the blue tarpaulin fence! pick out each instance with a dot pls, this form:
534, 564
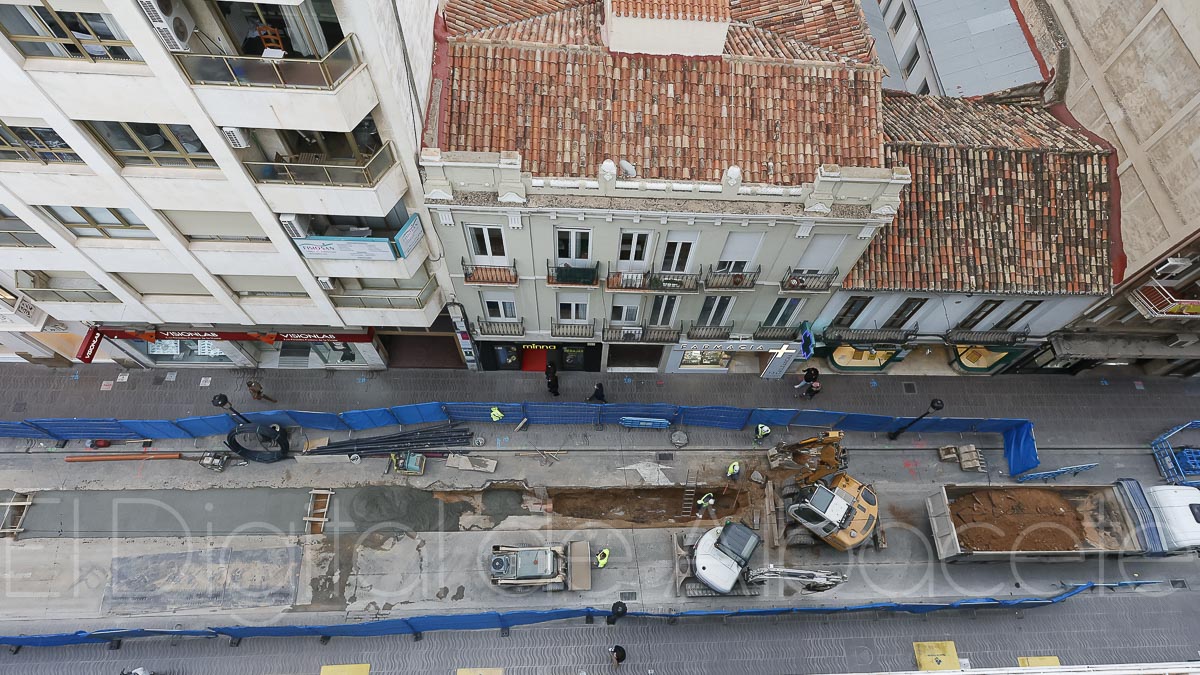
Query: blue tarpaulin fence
493, 620
1019, 447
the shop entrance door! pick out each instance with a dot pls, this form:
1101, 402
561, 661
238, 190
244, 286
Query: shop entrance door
533, 360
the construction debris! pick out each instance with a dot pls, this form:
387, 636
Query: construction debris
756, 477
471, 463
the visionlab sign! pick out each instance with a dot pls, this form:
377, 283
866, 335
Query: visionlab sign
346, 248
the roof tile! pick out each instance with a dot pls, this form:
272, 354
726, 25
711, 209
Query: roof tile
681, 10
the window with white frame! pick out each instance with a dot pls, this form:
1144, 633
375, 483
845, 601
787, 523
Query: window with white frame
663, 309
499, 306
677, 250
487, 244
625, 310
634, 252
715, 310
574, 246
573, 307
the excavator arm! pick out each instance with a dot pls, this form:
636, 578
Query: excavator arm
816, 458
816, 581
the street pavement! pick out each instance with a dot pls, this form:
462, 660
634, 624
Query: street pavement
1091, 629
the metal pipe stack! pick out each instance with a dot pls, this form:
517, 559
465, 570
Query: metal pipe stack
448, 435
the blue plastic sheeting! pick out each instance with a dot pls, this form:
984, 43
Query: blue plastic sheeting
155, 429
281, 417
562, 413
482, 412
84, 428
419, 413
817, 418
21, 430
369, 418
318, 420
208, 425
721, 417
613, 412
486, 620
863, 422
778, 416
1020, 451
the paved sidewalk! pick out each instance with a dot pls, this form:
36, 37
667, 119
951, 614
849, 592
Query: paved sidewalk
1087, 411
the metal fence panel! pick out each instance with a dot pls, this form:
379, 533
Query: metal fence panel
419, 413
80, 428
318, 420
863, 422
817, 418
155, 428
369, 418
21, 430
721, 417
208, 425
482, 412
613, 412
772, 416
562, 413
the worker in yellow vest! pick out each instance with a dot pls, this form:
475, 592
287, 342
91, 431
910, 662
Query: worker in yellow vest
602, 558
708, 501
496, 414
734, 470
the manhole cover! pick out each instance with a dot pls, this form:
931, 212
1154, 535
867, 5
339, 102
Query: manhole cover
910, 387
19, 406
679, 439
628, 595
662, 456
1179, 583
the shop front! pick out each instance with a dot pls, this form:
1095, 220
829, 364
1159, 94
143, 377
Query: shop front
769, 359
865, 350
984, 352
284, 349
535, 356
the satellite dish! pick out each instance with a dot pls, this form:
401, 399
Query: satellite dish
628, 170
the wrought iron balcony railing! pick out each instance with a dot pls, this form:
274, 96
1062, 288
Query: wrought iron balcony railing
641, 333
494, 275
731, 281
568, 275
709, 331
799, 281
560, 329
653, 282
500, 328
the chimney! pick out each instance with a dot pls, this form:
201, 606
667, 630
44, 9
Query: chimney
666, 27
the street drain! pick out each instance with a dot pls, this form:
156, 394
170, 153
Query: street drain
1179, 583
910, 387
665, 456
627, 596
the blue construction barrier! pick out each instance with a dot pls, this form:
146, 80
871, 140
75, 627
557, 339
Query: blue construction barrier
504, 620
1167, 459
1019, 447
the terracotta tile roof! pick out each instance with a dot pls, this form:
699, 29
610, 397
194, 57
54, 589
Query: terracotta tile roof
1004, 199
688, 10
538, 81
839, 25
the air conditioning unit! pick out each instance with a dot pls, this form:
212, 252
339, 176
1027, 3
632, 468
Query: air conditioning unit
328, 283
295, 224
1172, 266
172, 21
1183, 340
236, 137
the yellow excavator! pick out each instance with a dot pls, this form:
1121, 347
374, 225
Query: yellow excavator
822, 501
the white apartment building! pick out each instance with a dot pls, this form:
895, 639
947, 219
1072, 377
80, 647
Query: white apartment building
212, 182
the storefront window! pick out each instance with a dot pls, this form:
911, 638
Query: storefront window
508, 357
572, 358
705, 359
167, 352
850, 357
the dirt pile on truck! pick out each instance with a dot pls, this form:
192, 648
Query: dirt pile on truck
1017, 519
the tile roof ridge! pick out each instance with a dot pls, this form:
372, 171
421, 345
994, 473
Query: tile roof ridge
1006, 148
528, 19
541, 46
833, 53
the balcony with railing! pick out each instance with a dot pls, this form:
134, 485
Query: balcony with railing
782, 333
1156, 301
653, 282
314, 170
871, 336
570, 275
326, 72
731, 281
386, 299
490, 275
985, 337
800, 281
641, 333
499, 328
583, 331
709, 331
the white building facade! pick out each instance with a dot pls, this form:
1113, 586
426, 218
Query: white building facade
202, 182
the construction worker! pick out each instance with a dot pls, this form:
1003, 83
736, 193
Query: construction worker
705, 502
761, 432
734, 470
602, 558
496, 414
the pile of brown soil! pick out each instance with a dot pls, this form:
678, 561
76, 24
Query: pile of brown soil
1016, 519
645, 506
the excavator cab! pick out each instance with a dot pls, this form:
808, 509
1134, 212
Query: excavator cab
821, 500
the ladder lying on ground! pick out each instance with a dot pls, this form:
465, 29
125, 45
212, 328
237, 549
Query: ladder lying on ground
318, 511
14, 514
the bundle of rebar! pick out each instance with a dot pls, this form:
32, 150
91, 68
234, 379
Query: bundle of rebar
448, 435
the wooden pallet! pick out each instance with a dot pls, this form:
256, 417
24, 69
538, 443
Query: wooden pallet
318, 511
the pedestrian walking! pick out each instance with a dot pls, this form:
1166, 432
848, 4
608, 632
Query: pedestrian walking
810, 375
617, 652
812, 391
552, 382
256, 391
597, 394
